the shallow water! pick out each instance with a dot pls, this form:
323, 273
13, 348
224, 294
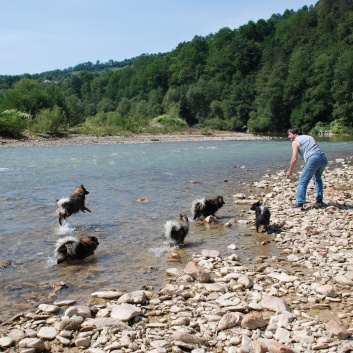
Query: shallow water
131, 251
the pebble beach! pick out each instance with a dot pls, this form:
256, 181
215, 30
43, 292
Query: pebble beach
78, 139
299, 301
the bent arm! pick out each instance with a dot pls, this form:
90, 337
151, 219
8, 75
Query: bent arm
294, 159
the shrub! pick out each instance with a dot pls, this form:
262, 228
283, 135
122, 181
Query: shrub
339, 126
319, 126
13, 123
49, 120
168, 121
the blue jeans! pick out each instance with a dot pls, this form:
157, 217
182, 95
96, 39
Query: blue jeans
314, 167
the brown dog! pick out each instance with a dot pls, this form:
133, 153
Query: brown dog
207, 207
71, 248
74, 204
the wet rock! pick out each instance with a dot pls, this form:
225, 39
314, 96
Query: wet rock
210, 253
53, 309
210, 219
107, 294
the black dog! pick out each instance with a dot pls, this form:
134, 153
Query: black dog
207, 207
71, 248
76, 202
262, 216
176, 231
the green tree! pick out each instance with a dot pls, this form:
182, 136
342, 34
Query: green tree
271, 112
124, 107
342, 88
106, 105
317, 104
187, 61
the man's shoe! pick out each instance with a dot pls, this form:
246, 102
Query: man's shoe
318, 204
298, 205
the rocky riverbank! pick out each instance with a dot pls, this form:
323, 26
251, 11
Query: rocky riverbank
300, 301
76, 139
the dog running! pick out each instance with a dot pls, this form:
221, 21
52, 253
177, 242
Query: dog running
73, 204
71, 248
206, 207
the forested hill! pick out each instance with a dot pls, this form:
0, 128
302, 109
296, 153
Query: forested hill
293, 69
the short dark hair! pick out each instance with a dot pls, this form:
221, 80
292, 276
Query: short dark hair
295, 131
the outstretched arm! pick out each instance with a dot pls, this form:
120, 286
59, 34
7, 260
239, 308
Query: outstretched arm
293, 161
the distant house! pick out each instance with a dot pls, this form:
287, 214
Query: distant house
48, 82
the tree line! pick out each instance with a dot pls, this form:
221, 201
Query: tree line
294, 69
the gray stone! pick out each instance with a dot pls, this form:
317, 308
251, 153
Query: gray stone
125, 312
274, 304
78, 310
35, 343
47, 333
6, 342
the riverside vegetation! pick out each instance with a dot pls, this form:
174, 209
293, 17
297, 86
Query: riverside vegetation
293, 69
299, 301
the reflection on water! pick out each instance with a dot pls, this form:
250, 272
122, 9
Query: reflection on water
132, 252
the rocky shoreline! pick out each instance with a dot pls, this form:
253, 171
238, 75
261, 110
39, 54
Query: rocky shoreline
300, 301
77, 139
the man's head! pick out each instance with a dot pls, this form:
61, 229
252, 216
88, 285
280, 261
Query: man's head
293, 132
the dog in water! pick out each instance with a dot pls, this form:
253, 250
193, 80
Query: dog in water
74, 204
206, 207
176, 231
262, 216
70, 248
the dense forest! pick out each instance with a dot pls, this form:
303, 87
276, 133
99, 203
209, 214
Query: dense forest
294, 69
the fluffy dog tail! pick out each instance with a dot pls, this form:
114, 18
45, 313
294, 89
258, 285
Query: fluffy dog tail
65, 248
168, 227
197, 207
62, 209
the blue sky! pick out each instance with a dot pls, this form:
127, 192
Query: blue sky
44, 35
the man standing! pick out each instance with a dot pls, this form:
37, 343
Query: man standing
315, 163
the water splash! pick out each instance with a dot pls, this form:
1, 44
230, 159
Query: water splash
51, 262
64, 229
166, 247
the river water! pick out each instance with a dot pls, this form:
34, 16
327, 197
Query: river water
132, 252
